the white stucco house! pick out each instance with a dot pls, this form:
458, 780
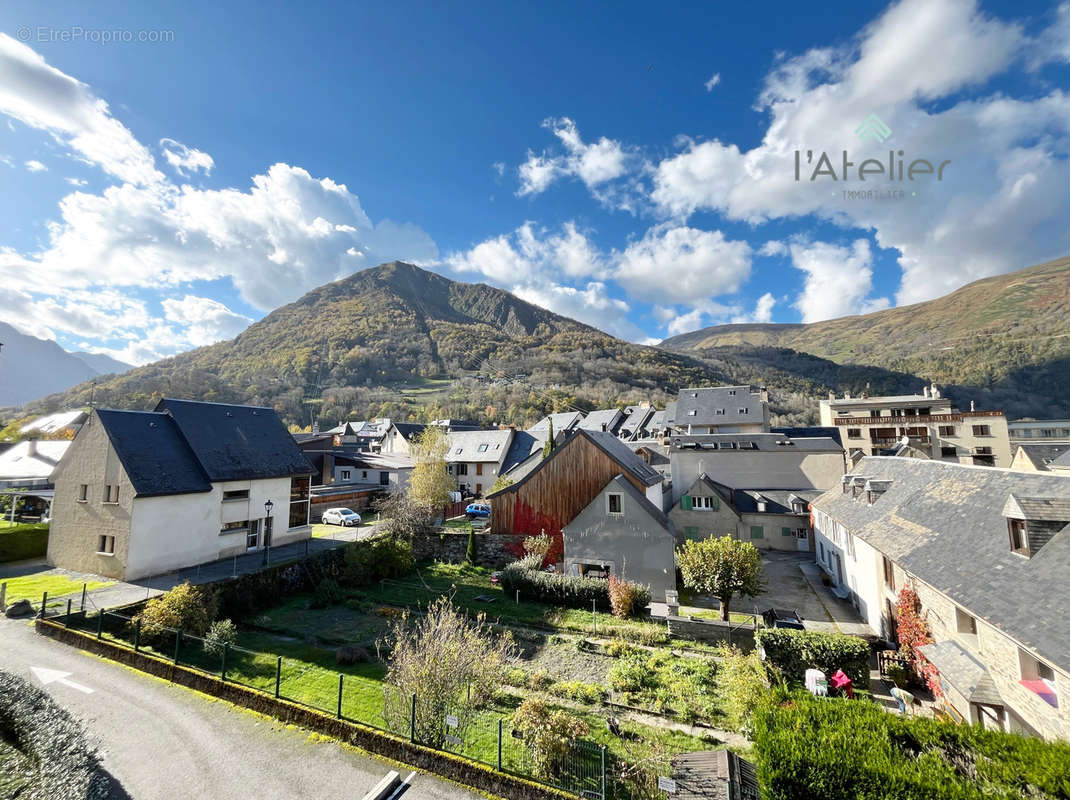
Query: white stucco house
144, 492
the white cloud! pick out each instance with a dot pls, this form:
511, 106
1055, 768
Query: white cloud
590, 304
76, 181
42, 97
595, 164
763, 310
528, 255
33, 165
838, 280
185, 160
685, 323
499, 168
715, 79
205, 320
1002, 201
683, 265
773, 248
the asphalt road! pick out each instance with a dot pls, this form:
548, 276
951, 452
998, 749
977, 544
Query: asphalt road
164, 742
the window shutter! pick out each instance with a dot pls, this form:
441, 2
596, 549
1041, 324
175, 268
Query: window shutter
785, 531
685, 502
757, 532
716, 503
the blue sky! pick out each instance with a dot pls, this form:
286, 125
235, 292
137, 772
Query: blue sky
633, 167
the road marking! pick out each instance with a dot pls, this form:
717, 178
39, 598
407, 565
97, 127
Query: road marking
47, 676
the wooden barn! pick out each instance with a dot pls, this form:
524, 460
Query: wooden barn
558, 489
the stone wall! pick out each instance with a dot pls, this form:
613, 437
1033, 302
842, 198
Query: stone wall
492, 549
711, 630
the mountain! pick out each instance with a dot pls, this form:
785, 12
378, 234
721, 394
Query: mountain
31, 368
401, 341
101, 364
1003, 342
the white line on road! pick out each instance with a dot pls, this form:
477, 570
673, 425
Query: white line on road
47, 676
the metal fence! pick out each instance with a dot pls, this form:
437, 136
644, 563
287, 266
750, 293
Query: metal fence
479, 734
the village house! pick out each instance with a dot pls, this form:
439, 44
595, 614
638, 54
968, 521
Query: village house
475, 458
61, 424
606, 420
770, 519
988, 552
25, 477
400, 436
1039, 431
719, 409
620, 532
563, 423
921, 425
144, 492
1037, 457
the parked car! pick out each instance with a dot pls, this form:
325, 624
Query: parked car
782, 618
341, 516
476, 510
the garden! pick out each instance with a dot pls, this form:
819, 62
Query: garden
22, 540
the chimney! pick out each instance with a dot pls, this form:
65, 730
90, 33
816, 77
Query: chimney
315, 428
875, 488
31, 447
925, 391
846, 481
832, 396
971, 406
934, 393
763, 394
858, 483
846, 395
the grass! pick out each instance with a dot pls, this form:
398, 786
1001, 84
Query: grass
57, 584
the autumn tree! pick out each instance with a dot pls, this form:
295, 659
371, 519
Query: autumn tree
723, 567
430, 483
548, 733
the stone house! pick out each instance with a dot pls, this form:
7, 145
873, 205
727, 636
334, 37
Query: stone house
987, 551
139, 493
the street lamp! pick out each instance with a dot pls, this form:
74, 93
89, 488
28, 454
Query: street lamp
268, 505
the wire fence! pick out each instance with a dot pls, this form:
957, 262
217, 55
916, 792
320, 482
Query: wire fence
481, 734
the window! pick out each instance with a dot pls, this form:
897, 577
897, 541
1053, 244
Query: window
234, 527
965, 623
982, 430
106, 545
732, 392
462, 469
479, 468
785, 531
345, 474
482, 448
384, 478
744, 411
757, 532
854, 433
479, 489
947, 430
1038, 677
889, 573
364, 474
111, 493
236, 494
1019, 540
692, 412
83, 493
982, 451
850, 545
821, 550
705, 503
615, 503
299, 491
949, 452
720, 412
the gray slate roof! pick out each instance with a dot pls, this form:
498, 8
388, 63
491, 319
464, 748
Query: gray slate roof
619, 452
564, 421
524, 445
157, 458
234, 442
962, 671
943, 523
469, 444
1062, 461
706, 402
610, 417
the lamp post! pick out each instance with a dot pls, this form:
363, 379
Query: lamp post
268, 505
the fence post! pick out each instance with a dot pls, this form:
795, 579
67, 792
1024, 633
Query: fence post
594, 614
341, 677
137, 636
178, 644
3, 596
67, 621
278, 676
412, 720
602, 783
223, 665
44, 605
499, 744
85, 586
100, 624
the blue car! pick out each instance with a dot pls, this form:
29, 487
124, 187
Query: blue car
477, 510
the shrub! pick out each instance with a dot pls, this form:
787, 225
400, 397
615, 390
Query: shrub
553, 588
371, 560
793, 652
742, 686
540, 679
221, 633
649, 634
23, 541
579, 691
855, 750
190, 609
627, 598
618, 648
347, 655
328, 593
516, 677
548, 735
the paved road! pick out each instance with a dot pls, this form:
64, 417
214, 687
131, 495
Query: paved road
164, 742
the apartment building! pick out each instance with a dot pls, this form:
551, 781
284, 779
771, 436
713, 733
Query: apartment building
719, 409
924, 425
1039, 431
988, 553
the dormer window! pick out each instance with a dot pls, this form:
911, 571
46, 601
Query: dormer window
482, 448
1019, 539
744, 411
692, 413
720, 412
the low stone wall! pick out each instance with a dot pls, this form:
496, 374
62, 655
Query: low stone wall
456, 768
492, 549
712, 630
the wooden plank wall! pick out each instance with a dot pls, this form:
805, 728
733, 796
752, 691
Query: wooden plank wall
557, 490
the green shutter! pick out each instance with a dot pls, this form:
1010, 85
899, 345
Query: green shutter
685, 502
757, 532
716, 503
691, 532
785, 531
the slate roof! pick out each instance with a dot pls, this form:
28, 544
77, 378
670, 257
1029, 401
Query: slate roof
962, 671
619, 452
610, 417
156, 456
655, 423
1049, 509
745, 500
810, 432
635, 418
55, 422
943, 523
767, 442
524, 445
705, 402
564, 421
234, 442
31, 460
409, 429
469, 443
1062, 462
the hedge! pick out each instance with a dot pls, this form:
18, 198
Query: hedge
839, 749
793, 652
23, 541
554, 588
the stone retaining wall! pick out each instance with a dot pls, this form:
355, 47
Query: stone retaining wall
712, 630
492, 549
457, 768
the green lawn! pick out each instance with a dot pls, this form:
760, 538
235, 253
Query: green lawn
57, 584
